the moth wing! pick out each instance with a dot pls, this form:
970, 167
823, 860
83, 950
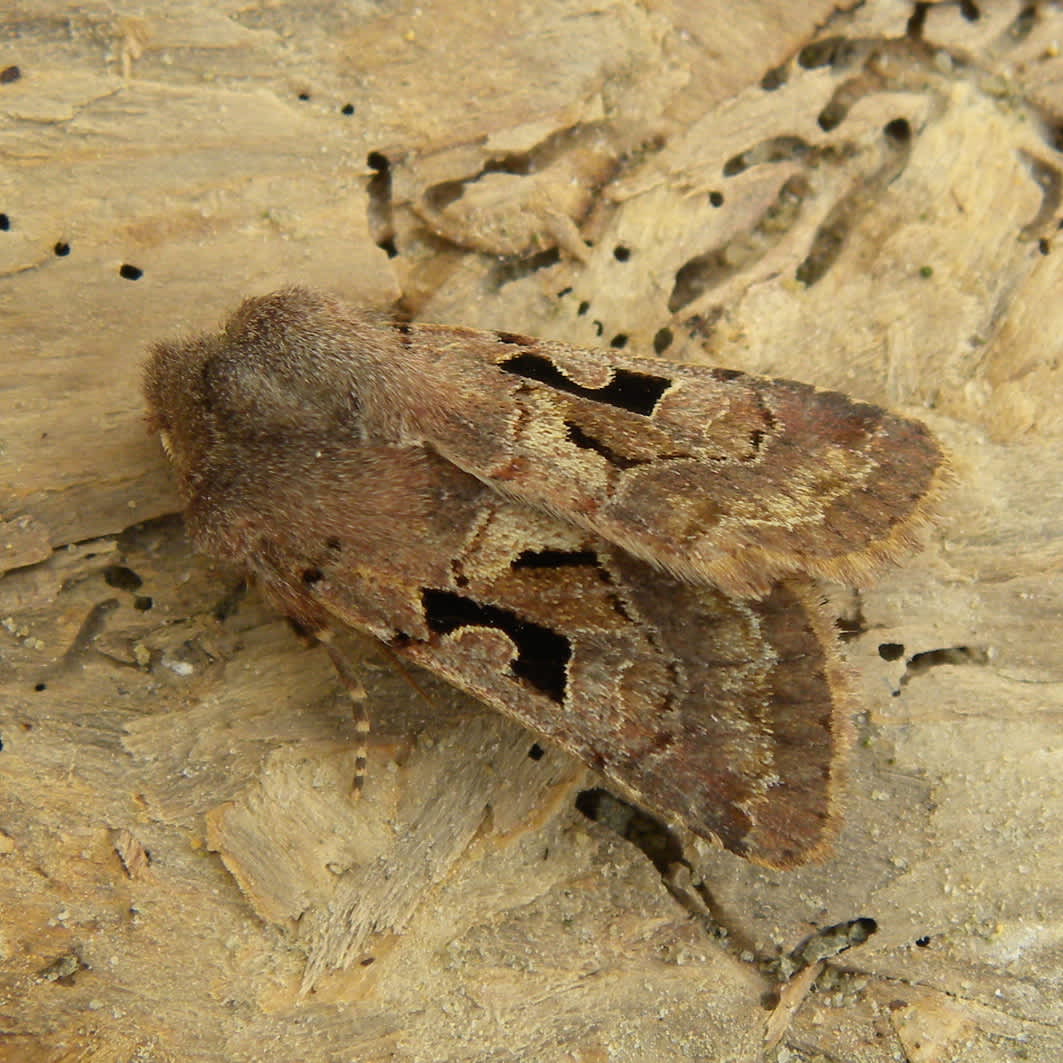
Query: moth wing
725, 716
716, 475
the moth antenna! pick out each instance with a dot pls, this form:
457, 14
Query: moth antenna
357, 693
361, 749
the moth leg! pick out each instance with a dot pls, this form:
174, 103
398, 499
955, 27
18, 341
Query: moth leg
357, 693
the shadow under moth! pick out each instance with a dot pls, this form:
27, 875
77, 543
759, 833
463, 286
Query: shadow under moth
618, 552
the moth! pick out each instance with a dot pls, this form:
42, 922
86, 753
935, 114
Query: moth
619, 552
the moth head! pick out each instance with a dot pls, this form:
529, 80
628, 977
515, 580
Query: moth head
285, 370
177, 410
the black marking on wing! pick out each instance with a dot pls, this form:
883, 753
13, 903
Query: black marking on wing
542, 654
635, 392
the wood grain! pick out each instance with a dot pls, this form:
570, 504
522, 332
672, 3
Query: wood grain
880, 218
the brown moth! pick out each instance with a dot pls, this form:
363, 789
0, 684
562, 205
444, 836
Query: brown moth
619, 552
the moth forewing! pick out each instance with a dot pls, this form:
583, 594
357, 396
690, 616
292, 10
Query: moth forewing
719, 476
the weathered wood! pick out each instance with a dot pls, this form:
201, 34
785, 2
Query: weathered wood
182, 875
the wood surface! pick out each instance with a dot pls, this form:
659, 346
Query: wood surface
866, 197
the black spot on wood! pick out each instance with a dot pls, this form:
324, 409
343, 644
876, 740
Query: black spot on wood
121, 577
